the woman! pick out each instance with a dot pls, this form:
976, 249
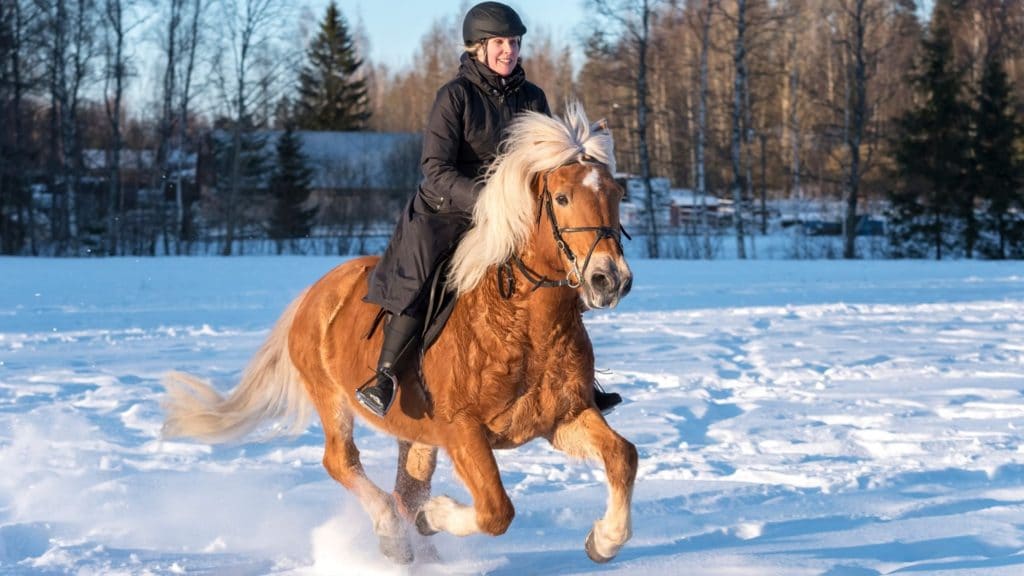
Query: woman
465, 126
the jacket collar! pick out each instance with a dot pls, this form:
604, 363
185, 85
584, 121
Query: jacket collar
488, 80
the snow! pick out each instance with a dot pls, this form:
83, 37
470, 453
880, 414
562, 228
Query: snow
792, 417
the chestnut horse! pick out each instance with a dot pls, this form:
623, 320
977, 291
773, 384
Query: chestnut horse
514, 362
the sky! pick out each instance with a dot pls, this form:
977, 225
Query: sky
395, 27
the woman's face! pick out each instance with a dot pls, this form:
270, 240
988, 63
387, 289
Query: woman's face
502, 54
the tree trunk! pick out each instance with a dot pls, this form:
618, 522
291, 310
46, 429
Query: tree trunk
167, 110
739, 81
857, 114
115, 19
652, 203
183, 231
702, 125
794, 121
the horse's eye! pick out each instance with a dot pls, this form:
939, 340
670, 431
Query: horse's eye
562, 200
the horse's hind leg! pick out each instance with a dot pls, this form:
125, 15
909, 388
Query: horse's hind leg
416, 464
589, 436
341, 459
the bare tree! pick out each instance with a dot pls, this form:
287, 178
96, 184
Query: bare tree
71, 49
707, 11
633, 19
738, 114
116, 30
550, 66
180, 45
15, 80
861, 32
250, 29
401, 100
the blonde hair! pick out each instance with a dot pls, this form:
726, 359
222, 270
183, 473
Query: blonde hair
479, 48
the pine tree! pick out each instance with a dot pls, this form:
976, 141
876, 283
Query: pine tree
332, 96
998, 172
290, 187
932, 149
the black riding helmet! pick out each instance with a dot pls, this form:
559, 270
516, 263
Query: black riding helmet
491, 20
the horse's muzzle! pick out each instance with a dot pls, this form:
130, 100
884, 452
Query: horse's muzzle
607, 281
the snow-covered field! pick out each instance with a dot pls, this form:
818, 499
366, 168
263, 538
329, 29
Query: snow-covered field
825, 418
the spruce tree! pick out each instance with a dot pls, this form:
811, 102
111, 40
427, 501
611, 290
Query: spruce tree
290, 187
932, 149
998, 172
332, 96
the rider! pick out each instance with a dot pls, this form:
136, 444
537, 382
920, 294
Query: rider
465, 126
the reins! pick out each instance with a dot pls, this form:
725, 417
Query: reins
573, 276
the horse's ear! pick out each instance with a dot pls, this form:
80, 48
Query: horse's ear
599, 126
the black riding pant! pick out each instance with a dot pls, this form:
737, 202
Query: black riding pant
422, 238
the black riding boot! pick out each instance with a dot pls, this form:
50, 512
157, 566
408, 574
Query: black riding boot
605, 401
399, 334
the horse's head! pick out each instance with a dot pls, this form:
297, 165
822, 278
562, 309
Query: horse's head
580, 202
550, 208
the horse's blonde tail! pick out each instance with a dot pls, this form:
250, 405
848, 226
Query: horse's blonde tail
271, 389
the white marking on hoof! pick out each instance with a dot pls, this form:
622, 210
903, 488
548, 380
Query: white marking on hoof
601, 546
444, 513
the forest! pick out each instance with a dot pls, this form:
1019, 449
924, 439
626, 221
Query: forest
157, 127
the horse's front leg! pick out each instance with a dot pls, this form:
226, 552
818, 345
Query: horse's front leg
589, 436
474, 462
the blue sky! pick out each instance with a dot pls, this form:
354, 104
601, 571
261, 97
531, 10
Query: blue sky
395, 27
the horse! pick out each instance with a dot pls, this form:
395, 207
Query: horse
514, 362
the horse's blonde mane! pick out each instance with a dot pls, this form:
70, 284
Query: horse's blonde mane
505, 210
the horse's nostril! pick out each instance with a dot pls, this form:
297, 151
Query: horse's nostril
600, 282
626, 286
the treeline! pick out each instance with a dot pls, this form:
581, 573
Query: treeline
870, 103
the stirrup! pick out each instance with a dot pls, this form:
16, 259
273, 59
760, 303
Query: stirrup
375, 397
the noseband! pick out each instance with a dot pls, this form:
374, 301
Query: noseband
574, 276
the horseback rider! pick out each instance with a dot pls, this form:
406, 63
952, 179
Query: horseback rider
465, 126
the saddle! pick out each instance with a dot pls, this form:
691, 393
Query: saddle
439, 302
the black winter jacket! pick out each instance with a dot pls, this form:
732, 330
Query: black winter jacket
466, 124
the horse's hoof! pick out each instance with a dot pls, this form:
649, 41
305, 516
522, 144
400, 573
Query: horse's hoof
423, 525
591, 549
396, 549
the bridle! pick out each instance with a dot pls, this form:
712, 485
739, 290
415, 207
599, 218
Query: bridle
574, 275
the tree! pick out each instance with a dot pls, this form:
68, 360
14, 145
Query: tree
13, 192
242, 168
290, 187
997, 175
931, 151
180, 46
70, 27
857, 19
116, 73
549, 66
707, 10
249, 29
739, 108
332, 93
633, 19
